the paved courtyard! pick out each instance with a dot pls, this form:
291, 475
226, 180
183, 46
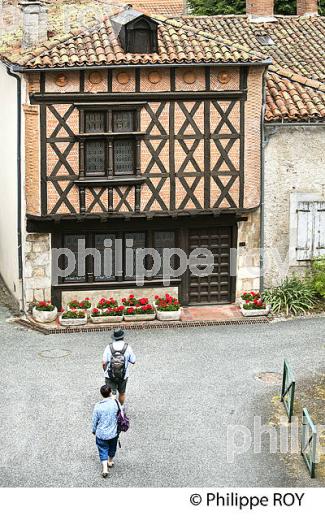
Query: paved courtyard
187, 386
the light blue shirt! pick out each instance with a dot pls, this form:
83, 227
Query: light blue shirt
129, 356
105, 419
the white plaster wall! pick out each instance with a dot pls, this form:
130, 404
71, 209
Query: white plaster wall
294, 162
8, 182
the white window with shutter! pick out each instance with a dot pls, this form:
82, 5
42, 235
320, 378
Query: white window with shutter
307, 227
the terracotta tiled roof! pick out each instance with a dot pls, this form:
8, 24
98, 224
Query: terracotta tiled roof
294, 80
299, 42
165, 7
296, 93
100, 46
288, 100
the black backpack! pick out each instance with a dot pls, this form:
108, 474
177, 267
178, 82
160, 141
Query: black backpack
116, 370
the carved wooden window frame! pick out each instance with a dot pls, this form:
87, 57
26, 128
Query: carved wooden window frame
110, 137
150, 241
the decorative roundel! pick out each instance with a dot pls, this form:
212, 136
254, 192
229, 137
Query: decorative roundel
95, 77
224, 77
61, 80
189, 77
123, 78
154, 77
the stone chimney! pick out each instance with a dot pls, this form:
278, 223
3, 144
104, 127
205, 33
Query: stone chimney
307, 7
34, 22
260, 8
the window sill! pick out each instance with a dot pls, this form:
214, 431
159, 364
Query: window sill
118, 284
111, 181
96, 135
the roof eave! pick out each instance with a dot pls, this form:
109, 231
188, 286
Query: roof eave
21, 68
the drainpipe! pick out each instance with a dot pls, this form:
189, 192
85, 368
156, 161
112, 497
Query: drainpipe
19, 183
262, 212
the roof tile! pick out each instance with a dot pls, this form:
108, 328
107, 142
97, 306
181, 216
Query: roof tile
291, 101
175, 45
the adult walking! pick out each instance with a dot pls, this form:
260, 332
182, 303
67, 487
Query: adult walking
117, 357
105, 427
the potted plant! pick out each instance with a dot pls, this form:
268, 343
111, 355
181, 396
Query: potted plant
73, 318
140, 313
252, 304
84, 304
44, 312
168, 308
107, 315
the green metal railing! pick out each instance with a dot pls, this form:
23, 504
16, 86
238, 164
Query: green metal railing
309, 442
288, 390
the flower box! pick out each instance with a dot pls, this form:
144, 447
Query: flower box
140, 317
254, 303
106, 319
169, 315
107, 314
44, 316
168, 308
140, 312
255, 312
73, 319
84, 305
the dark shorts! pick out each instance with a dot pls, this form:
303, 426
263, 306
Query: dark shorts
119, 386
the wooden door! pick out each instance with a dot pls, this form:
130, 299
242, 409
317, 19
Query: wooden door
216, 287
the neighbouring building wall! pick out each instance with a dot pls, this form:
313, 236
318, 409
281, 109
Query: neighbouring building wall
294, 199
8, 176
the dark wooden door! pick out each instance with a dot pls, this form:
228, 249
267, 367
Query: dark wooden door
216, 287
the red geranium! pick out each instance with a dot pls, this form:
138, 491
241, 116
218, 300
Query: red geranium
168, 303
106, 303
44, 306
142, 309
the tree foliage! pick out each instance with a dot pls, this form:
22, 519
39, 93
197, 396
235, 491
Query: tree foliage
211, 7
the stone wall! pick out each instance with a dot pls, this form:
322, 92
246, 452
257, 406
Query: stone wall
294, 163
248, 255
37, 267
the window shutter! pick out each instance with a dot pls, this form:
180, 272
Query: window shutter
319, 233
304, 249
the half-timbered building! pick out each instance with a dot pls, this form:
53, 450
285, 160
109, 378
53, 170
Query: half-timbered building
142, 129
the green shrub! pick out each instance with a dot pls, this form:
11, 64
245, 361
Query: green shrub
292, 296
318, 275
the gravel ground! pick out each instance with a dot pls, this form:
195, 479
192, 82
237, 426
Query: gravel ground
188, 385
